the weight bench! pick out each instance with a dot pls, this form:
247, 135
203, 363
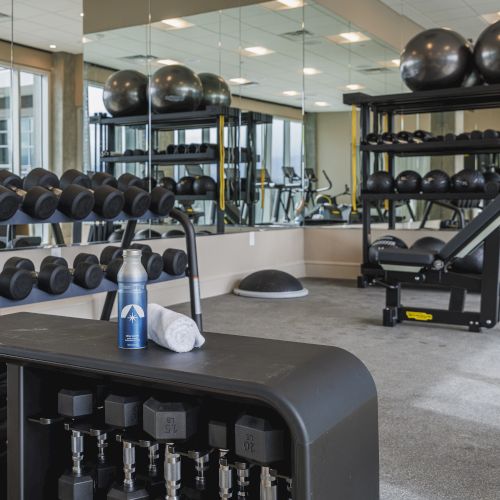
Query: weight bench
407, 266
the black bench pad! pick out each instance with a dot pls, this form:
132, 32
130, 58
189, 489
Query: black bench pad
406, 256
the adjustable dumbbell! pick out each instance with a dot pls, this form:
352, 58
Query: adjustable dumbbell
52, 278
122, 413
136, 200
162, 200
37, 202
74, 405
170, 422
85, 272
174, 261
219, 439
258, 442
152, 262
109, 201
74, 201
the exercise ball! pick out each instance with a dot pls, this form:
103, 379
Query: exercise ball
472, 263
380, 182
435, 181
270, 284
126, 93
408, 182
428, 244
387, 241
487, 53
175, 88
468, 181
169, 183
203, 185
437, 58
215, 90
185, 185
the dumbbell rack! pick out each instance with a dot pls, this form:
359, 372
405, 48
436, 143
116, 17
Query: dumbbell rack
207, 118
324, 397
373, 108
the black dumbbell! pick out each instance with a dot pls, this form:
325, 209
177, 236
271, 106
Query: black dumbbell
162, 200
9, 202
372, 139
37, 202
108, 201
110, 262
257, 441
450, 137
149, 183
86, 272
26, 242
388, 138
422, 136
152, 262
52, 278
174, 261
476, 135
491, 134
103, 179
75, 405
170, 149
157, 422
404, 137
137, 200
74, 201
464, 136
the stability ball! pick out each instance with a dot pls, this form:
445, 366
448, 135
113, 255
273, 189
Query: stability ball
175, 88
215, 90
437, 58
126, 93
487, 53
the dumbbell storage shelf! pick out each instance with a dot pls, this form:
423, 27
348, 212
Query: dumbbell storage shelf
323, 399
207, 118
372, 108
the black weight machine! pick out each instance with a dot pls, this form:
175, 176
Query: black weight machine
407, 266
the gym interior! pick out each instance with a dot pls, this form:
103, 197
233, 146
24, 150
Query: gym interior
250, 249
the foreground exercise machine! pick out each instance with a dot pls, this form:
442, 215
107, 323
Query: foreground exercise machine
435, 268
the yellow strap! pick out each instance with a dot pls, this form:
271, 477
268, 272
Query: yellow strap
262, 185
222, 162
354, 157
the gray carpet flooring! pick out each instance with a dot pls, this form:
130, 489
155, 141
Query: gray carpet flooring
439, 387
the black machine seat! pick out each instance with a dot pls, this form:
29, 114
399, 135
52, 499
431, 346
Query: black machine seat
406, 257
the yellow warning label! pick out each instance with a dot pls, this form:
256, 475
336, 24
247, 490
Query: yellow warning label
419, 316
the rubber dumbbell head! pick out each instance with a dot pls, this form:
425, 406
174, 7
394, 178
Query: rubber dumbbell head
174, 261
85, 257
88, 275
103, 179
73, 176
16, 283
110, 253
53, 259
128, 180
54, 279
162, 201
122, 411
75, 403
152, 261
137, 201
19, 263
9, 203
112, 270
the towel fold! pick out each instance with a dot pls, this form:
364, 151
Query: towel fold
173, 330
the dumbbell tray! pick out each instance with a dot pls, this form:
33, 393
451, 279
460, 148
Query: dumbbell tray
326, 395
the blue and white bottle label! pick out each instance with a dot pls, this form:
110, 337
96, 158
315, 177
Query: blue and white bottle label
132, 318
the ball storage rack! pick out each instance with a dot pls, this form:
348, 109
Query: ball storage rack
218, 117
372, 108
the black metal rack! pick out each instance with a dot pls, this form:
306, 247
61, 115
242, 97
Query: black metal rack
372, 108
207, 118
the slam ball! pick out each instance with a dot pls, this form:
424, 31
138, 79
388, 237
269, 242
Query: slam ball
126, 93
437, 58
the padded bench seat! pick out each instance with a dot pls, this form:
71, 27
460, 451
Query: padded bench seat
406, 257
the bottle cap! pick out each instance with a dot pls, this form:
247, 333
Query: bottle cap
132, 252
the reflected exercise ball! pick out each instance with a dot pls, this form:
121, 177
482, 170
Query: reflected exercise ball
437, 58
126, 93
487, 53
175, 88
215, 90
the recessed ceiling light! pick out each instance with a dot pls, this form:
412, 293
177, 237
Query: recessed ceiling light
321, 104
86, 39
81, 14
491, 18
177, 23
167, 62
311, 71
349, 37
353, 86
284, 4
290, 93
52, 46
257, 51
239, 81
392, 63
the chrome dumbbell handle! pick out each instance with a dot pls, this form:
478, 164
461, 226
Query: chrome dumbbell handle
242, 478
77, 452
172, 469
225, 477
201, 460
128, 464
268, 484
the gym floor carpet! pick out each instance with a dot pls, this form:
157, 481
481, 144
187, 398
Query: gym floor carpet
438, 386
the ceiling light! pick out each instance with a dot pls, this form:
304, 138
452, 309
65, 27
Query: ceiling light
239, 81
491, 18
396, 62
81, 14
311, 71
392, 63
290, 93
52, 46
284, 4
321, 104
258, 51
349, 37
86, 39
177, 23
167, 62
354, 86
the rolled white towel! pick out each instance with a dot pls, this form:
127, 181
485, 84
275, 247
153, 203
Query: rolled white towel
173, 330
